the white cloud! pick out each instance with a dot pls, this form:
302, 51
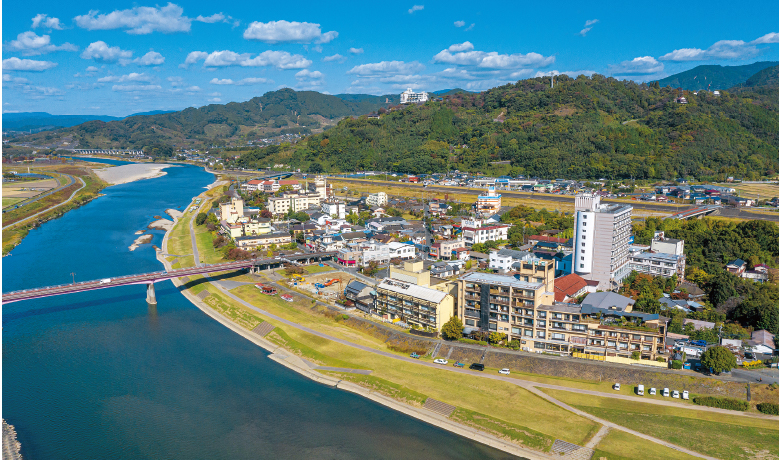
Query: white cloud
214, 99
356, 50
39, 92
124, 78
459, 23
591, 22
723, 49
30, 44
584, 31
100, 51
194, 88
335, 57
245, 82
416, 8
639, 66
127, 88
387, 67
15, 63
278, 59
150, 58
91, 69
470, 27
142, 20
286, 31
43, 20
215, 94
772, 37
463, 54
306, 74
193, 57
7, 78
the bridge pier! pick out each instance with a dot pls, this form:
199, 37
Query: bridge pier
151, 298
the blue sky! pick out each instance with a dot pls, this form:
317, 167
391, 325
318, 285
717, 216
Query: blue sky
87, 58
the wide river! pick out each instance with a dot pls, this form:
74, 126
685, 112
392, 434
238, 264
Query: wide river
101, 375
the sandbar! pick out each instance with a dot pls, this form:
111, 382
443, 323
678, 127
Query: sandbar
132, 172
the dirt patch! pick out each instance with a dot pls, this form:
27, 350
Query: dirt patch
564, 111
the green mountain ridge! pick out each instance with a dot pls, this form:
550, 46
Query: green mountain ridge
720, 77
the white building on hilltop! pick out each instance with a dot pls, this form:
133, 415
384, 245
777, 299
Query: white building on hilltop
601, 234
410, 97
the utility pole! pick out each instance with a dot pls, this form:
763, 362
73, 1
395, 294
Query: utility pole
74, 277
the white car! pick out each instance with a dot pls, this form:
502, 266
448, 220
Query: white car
616, 386
685, 394
666, 392
675, 394
504, 371
652, 391
441, 361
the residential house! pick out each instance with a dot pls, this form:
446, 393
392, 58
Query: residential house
445, 249
359, 293
737, 267
474, 235
403, 251
567, 288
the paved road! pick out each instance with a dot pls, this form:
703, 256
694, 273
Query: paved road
83, 184
529, 385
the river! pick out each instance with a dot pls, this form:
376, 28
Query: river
103, 375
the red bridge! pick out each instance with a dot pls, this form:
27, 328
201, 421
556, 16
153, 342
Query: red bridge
154, 277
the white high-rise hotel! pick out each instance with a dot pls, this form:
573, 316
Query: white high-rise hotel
601, 236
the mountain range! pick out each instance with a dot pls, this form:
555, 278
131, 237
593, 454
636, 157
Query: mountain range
714, 77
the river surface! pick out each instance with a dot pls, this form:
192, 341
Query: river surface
102, 375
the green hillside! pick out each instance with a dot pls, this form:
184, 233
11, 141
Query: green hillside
583, 128
720, 77
277, 112
766, 77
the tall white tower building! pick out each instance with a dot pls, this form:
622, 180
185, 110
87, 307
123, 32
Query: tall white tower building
601, 235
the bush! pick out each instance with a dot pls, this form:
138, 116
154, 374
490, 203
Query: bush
473, 342
201, 218
660, 359
636, 355
768, 408
452, 329
721, 403
676, 364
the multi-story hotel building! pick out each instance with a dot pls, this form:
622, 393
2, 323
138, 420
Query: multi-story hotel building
414, 304
489, 203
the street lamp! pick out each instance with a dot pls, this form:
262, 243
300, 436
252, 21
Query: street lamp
74, 277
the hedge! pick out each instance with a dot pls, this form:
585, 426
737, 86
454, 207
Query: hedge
722, 403
676, 364
768, 408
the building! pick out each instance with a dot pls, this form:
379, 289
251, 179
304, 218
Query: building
289, 183
252, 185
376, 199
381, 224
666, 245
489, 203
474, 235
414, 304
601, 237
359, 293
318, 187
410, 97
502, 259
445, 249
737, 267
231, 211
263, 241
401, 251
569, 287
333, 207
660, 264
295, 202
270, 186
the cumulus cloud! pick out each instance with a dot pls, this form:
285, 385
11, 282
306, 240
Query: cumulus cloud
387, 67
142, 20
772, 37
39, 92
723, 49
100, 51
356, 50
279, 59
416, 8
91, 69
150, 58
125, 78
244, 82
127, 88
459, 23
29, 43
464, 54
639, 66
7, 78
288, 32
43, 20
306, 74
335, 57
176, 81
588, 26
30, 65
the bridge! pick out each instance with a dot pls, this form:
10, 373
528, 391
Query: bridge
698, 211
155, 277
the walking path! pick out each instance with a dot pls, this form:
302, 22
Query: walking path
83, 184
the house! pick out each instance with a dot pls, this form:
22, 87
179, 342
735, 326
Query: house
474, 235
569, 287
608, 301
666, 302
289, 183
445, 269
736, 267
758, 275
738, 201
380, 224
445, 249
402, 251
762, 342
502, 259
461, 254
360, 294
251, 186
699, 325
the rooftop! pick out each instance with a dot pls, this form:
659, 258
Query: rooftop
413, 290
500, 280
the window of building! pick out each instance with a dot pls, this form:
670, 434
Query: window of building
516, 330
541, 323
493, 327
540, 334
612, 343
582, 244
582, 259
528, 332
557, 336
581, 265
542, 314
470, 322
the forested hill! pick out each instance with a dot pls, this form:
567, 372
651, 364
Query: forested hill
583, 128
720, 77
766, 77
276, 112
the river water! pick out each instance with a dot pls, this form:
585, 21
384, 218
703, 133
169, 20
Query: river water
102, 375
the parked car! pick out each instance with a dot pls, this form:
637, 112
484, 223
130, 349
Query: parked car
640, 390
459, 364
675, 394
415, 355
666, 392
504, 371
476, 367
653, 392
441, 361
685, 394
616, 386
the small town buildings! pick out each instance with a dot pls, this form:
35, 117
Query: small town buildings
359, 293
699, 325
403, 251
501, 260
333, 207
263, 241
376, 199
737, 267
660, 243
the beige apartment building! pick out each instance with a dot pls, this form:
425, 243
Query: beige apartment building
414, 304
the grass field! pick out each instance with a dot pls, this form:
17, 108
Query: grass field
11, 201
314, 269
765, 191
618, 445
715, 434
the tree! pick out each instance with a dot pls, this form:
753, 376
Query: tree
265, 214
452, 329
719, 359
201, 218
497, 337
